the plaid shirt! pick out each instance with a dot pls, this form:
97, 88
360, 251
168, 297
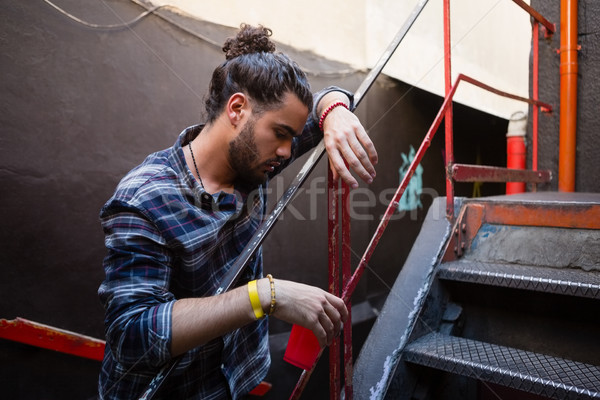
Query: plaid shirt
168, 239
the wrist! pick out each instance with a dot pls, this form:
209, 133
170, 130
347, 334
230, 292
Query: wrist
332, 96
330, 109
261, 293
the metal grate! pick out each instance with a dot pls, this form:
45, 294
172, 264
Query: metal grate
523, 370
572, 282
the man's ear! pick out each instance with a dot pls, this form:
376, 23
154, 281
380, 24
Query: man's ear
237, 107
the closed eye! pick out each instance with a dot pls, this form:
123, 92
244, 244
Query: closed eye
285, 131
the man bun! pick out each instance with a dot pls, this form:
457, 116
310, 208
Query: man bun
253, 67
249, 40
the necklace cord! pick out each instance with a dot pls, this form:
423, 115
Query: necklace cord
195, 166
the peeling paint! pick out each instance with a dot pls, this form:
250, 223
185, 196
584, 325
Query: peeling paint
379, 390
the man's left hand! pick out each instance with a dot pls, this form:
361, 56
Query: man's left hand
348, 144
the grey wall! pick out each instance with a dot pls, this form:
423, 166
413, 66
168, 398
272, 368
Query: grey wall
81, 106
588, 87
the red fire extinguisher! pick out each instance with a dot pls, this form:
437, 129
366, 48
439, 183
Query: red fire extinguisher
516, 150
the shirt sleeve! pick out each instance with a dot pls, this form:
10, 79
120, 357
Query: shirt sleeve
135, 292
319, 95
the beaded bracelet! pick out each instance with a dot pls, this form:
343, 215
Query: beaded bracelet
273, 301
328, 110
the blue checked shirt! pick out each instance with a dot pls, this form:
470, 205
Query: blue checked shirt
168, 239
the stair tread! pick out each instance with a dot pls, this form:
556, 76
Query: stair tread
523, 370
570, 281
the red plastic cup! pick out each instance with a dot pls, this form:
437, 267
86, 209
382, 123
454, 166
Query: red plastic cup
302, 348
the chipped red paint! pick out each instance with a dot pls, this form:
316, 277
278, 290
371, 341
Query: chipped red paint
346, 274
476, 213
48, 337
483, 173
334, 279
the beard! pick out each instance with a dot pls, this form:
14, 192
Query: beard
244, 157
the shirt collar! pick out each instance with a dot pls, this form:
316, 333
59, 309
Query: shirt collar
205, 199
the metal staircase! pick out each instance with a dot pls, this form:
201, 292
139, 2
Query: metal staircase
554, 377
509, 310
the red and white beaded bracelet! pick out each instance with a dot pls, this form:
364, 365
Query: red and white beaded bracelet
328, 110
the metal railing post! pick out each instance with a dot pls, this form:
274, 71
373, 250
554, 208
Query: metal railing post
534, 134
334, 279
346, 273
448, 114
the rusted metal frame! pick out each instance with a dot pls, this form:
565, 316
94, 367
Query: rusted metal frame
449, 141
449, 136
334, 288
303, 380
572, 215
346, 273
467, 225
349, 288
543, 106
334, 279
476, 213
550, 27
48, 337
534, 135
483, 173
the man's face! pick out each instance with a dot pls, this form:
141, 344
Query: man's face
266, 139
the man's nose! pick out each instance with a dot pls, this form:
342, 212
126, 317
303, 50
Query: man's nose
285, 149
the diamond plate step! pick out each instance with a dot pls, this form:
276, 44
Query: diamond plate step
574, 282
523, 370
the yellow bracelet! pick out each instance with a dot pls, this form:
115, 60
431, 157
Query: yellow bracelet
255, 300
273, 301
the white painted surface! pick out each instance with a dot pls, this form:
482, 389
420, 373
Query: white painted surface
491, 39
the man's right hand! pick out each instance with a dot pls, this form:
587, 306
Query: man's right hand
308, 306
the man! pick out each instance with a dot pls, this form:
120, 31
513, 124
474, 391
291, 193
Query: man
177, 222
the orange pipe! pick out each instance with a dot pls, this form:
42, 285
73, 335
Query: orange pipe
568, 95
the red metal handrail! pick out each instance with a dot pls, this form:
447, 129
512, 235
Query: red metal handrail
535, 70
538, 18
350, 286
48, 337
550, 27
445, 112
449, 137
346, 273
334, 278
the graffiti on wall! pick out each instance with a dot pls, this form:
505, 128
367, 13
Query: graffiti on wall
411, 198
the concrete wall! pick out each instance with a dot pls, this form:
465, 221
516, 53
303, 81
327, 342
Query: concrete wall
588, 87
490, 39
82, 106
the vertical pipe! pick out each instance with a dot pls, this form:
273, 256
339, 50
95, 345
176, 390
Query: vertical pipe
448, 114
568, 95
346, 274
535, 78
334, 281
516, 151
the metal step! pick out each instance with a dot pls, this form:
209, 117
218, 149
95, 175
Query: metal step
523, 370
574, 282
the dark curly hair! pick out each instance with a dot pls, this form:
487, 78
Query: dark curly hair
253, 67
